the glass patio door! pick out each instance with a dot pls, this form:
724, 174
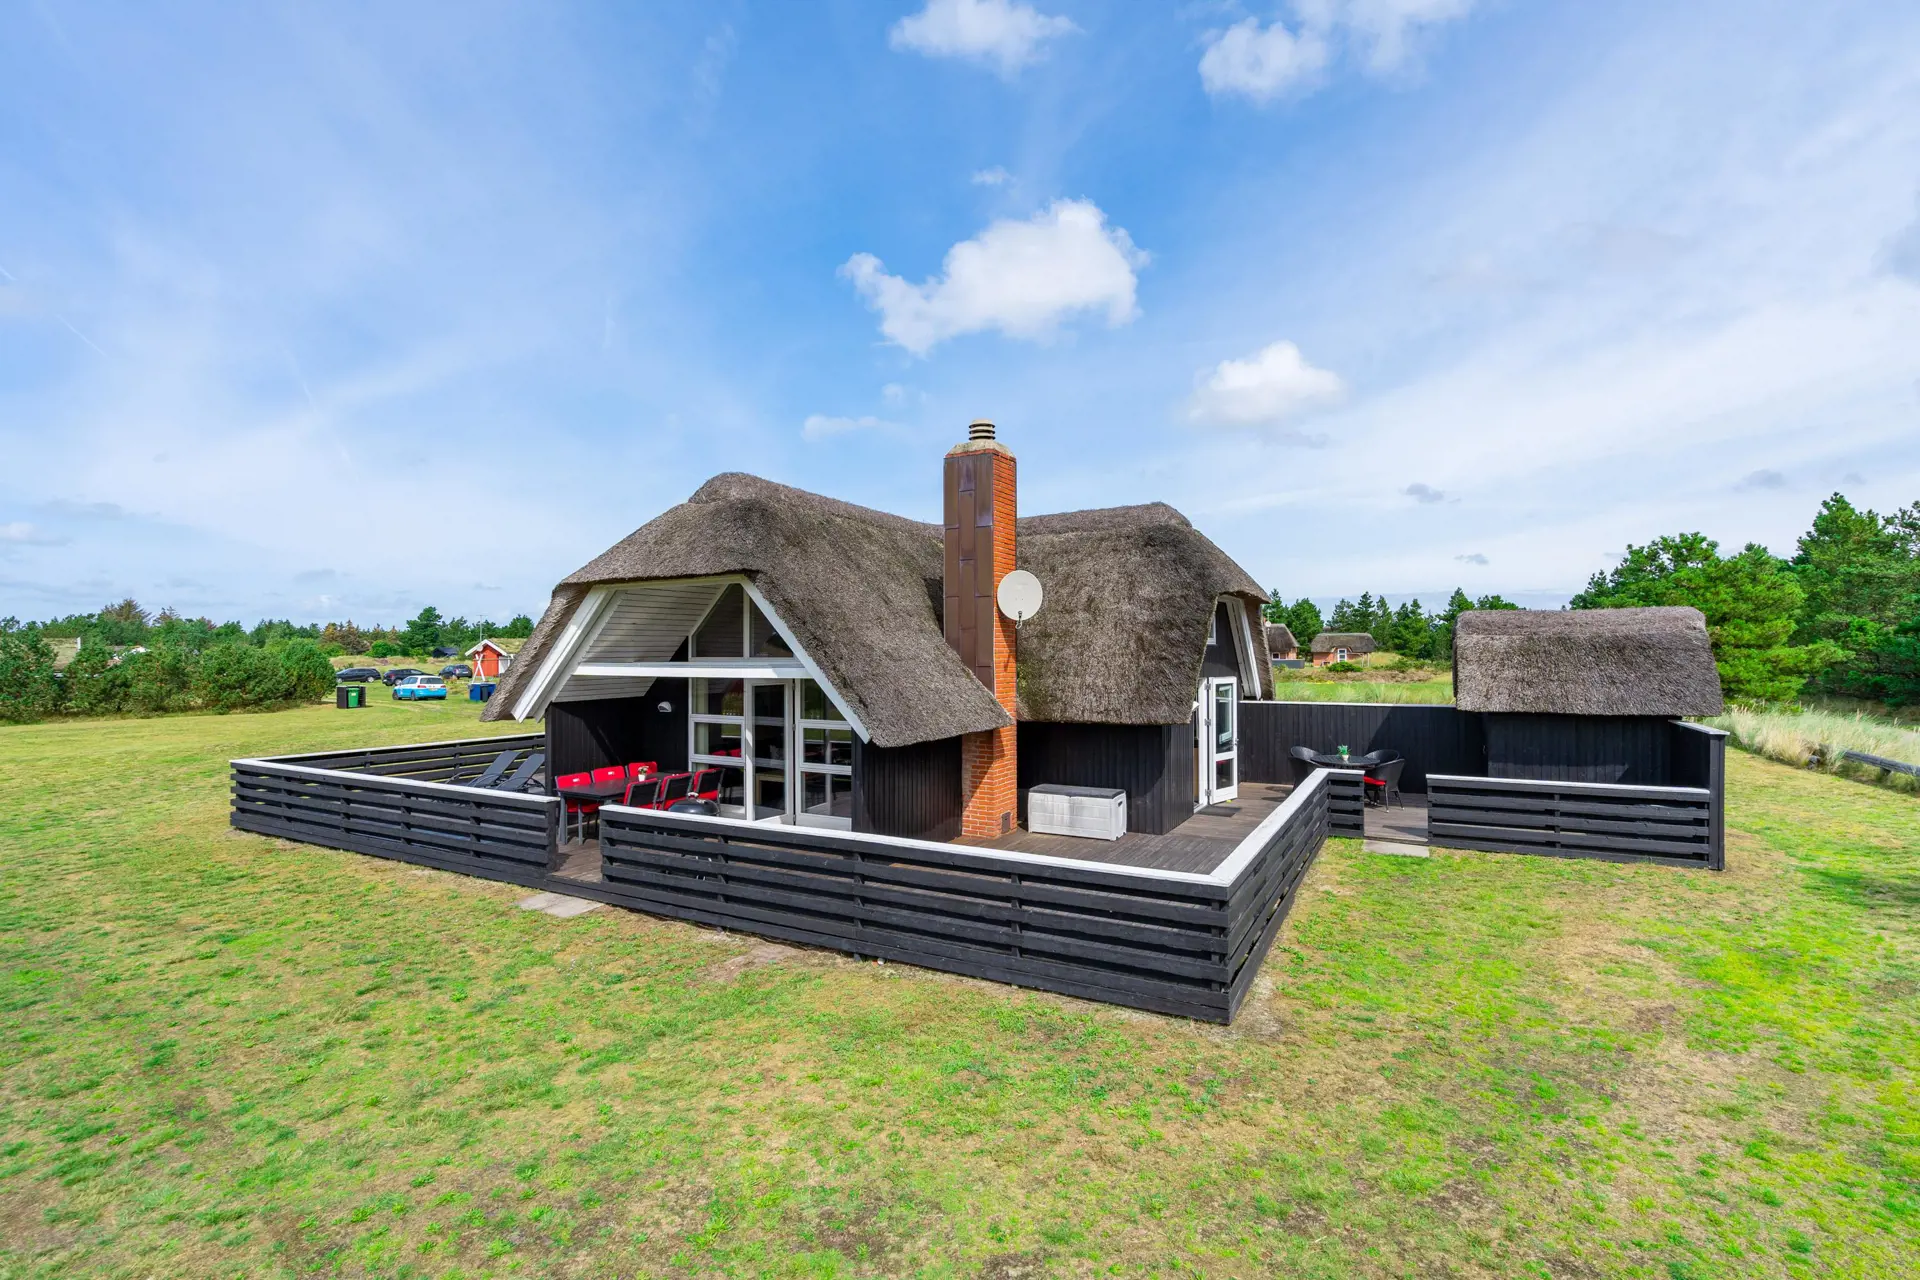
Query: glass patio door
768, 732
1219, 740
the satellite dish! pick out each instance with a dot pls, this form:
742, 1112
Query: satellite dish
1020, 595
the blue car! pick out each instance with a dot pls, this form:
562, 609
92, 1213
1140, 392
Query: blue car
416, 688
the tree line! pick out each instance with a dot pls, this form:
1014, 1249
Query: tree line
1406, 629
133, 661
1841, 616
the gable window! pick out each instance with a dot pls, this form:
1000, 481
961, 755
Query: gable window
722, 633
1339, 655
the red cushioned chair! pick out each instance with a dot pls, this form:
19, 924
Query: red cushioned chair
576, 805
704, 784
642, 769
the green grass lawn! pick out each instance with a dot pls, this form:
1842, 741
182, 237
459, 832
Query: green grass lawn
1354, 690
223, 1055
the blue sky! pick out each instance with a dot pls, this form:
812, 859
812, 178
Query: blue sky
336, 310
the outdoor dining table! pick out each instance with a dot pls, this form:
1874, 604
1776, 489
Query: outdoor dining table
1339, 762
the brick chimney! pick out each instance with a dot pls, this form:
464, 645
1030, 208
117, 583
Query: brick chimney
978, 489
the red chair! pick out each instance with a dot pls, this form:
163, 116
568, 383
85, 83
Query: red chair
577, 805
642, 769
704, 784
675, 788
644, 793
612, 773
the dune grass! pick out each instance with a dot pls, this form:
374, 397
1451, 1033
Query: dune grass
1350, 690
223, 1055
1797, 737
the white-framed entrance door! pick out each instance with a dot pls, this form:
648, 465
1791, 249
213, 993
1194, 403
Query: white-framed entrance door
1218, 749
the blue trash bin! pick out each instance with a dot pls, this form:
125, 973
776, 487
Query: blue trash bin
479, 691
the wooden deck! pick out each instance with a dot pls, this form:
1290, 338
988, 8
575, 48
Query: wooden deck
1400, 823
1199, 844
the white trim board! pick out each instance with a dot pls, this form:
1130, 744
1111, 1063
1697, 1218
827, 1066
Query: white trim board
706, 669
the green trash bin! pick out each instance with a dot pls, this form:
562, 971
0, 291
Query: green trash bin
349, 695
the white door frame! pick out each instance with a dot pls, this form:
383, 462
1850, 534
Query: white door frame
1207, 753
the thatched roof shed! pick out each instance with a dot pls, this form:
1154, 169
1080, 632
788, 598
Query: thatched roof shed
1585, 662
1130, 593
1280, 640
1351, 641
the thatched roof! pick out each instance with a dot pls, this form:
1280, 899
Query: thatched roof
1280, 639
1130, 594
1351, 641
1585, 662
1129, 597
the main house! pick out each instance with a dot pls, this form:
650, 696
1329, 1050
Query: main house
844, 667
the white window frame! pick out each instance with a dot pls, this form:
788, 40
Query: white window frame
793, 726
1339, 655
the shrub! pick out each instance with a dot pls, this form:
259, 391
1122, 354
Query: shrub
309, 674
383, 649
230, 677
96, 685
1343, 667
159, 680
29, 689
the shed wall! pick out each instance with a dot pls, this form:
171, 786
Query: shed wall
1630, 750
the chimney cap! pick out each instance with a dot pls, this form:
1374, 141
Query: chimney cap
980, 429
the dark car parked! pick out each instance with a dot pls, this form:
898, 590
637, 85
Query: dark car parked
398, 674
456, 671
348, 674
444, 651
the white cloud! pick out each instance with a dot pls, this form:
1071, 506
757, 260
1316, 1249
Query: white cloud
1264, 62
1472, 557
1259, 62
994, 177
1386, 30
24, 534
819, 426
1020, 277
1425, 493
1268, 386
1002, 32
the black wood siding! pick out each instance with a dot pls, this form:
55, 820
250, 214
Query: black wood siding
1153, 763
592, 735
908, 791
1434, 739
1222, 659
1630, 750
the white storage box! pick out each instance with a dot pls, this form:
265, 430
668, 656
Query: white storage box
1098, 813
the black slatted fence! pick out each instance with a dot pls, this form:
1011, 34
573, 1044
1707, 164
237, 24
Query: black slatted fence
1168, 941
1679, 826
453, 762
482, 833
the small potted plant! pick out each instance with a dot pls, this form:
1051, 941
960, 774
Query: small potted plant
1344, 753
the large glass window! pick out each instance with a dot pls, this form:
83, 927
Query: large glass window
784, 750
762, 640
826, 760
723, 634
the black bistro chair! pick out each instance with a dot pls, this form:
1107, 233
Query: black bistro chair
1383, 780
1303, 764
